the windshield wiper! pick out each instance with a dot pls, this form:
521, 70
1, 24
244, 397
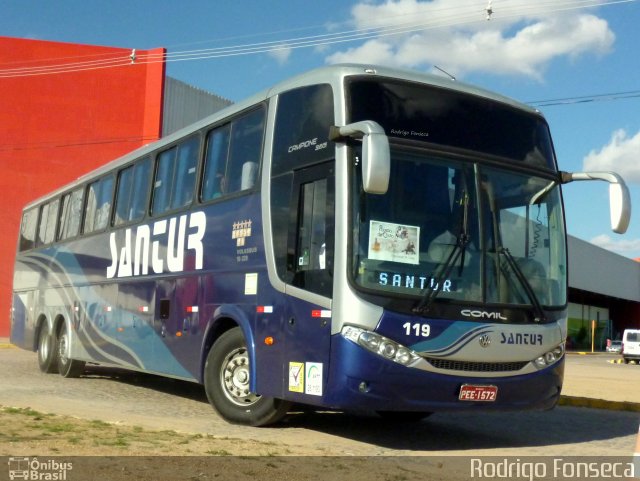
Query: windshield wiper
526, 285
457, 252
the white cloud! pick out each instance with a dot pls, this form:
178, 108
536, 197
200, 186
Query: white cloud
281, 53
521, 39
621, 155
622, 246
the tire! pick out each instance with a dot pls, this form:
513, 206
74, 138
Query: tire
625, 360
404, 416
47, 350
67, 367
226, 382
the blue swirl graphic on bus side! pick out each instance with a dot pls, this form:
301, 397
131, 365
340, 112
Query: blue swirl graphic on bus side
452, 339
96, 337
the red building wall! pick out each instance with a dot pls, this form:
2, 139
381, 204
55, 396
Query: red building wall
56, 127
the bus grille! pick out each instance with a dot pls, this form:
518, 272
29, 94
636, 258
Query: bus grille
476, 366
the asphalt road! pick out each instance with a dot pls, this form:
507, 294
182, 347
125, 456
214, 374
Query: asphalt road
159, 403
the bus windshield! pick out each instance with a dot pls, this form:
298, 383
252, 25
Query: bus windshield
470, 232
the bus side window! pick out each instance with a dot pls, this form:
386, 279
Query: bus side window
42, 227
215, 164
133, 186
98, 210
185, 176
245, 151
163, 180
175, 176
138, 199
123, 194
48, 222
70, 214
28, 229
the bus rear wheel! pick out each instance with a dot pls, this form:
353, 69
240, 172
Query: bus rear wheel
47, 350
226, 382
67, 367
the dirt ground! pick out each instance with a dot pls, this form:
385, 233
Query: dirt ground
25, 430
129, 449
68, 448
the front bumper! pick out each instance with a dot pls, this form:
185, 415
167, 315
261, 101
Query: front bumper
361, 380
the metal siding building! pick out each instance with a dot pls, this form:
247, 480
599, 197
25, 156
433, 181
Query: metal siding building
55, 128
185, 104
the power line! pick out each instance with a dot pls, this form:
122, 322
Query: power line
586, 99
470, 15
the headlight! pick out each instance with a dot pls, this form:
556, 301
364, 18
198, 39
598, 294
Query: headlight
380, 345
549, 358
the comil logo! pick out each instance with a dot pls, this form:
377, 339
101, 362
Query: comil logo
37, 470
483, 314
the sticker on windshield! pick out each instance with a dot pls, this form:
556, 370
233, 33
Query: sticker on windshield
394, 242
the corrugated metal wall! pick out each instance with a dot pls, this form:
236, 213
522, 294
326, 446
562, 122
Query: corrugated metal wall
594, 269
185, 104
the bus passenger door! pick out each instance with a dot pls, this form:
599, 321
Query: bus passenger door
310, 249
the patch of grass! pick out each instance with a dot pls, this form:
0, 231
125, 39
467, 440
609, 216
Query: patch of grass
96, 423
218, 452
59, 427
25, 412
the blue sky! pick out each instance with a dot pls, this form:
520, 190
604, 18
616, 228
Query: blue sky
531, 50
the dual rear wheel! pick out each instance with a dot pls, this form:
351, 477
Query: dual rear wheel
53, 352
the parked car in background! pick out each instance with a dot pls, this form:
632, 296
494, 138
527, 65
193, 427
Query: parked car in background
631, 345
615, 346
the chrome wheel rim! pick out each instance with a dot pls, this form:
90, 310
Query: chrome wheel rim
234, 377
63, 347
44, 345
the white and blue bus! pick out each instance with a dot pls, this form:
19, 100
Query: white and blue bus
355, 238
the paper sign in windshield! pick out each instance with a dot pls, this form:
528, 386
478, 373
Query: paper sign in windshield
394, 242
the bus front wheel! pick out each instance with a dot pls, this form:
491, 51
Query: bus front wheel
226, 382
47, 350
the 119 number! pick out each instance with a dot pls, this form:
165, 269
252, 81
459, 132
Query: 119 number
422, 330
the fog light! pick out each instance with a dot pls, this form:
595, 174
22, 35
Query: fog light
363, 387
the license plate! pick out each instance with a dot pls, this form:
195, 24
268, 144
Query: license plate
472, 392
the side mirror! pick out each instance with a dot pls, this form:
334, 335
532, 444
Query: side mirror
619, 198
376, 163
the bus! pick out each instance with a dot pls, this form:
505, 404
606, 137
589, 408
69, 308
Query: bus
355, 238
